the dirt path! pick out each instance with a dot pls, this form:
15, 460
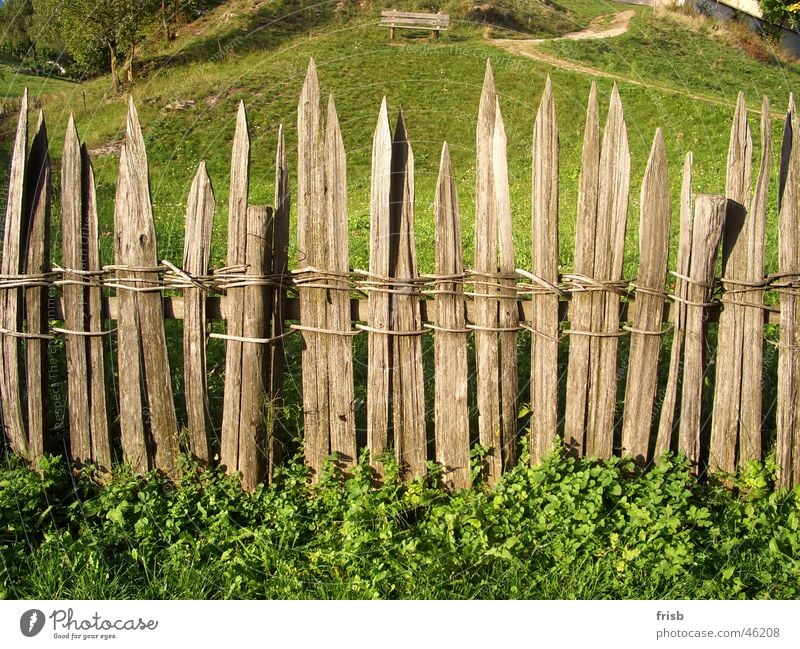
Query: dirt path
607, 26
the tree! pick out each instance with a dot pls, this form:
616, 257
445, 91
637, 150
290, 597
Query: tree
778, 12
103, 33
16, 28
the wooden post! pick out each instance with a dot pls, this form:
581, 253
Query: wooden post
648, 308
378, 371
508, 322
408, 403
74, 262
256, 317
234, 296
486, 303
311, 252
196, 255
96, 344
544, 301
280, 269
339, 346
788, 409
612, 211
10, 313
146, 404
450, 335
37, 262
706, 233
742, 262
664, 441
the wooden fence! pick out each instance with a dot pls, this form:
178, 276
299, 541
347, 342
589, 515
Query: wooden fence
326, 303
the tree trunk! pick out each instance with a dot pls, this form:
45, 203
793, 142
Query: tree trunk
114, 71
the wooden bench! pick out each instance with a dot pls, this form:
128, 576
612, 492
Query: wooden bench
409, 20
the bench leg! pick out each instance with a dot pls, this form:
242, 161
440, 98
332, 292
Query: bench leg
436, 34
391, 33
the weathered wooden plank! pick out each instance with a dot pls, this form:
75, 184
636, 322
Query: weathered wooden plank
196, 256
339, 347
408, 402
788, 408
730, 341
95, 349
612, 212
379, 368
11, 315
753, 339
135, 450
450, 339
486, 303
311, 241
73, 233
508, 320
234, 297
544, 256
135, 231
706, 233
580, 310
667, 417
280, 268
37, 261
256, 316
648, 307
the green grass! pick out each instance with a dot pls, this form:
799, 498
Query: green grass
566, 529
438, 87
14, 80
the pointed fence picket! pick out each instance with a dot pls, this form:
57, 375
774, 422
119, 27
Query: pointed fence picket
324, 303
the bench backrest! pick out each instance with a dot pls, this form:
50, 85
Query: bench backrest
411, 19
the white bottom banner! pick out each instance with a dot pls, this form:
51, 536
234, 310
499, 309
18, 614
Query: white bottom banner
352, 625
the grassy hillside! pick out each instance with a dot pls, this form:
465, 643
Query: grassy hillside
261, 58
13, 81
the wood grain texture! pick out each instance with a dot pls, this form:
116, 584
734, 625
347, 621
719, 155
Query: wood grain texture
102, 453
234, 297
256, 317
73, 232
135, 451
37, 261
408, 402
788, 409
612, 212
339, 347
508, 320
544, 305
709, 217
731, 343
753, 339
450, 340
378, 345
196, 255
487, 357
147, 367
311, 241
648, 307
580, 310
666, 422
11, 312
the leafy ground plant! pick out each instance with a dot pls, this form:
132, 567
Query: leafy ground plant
565, 529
